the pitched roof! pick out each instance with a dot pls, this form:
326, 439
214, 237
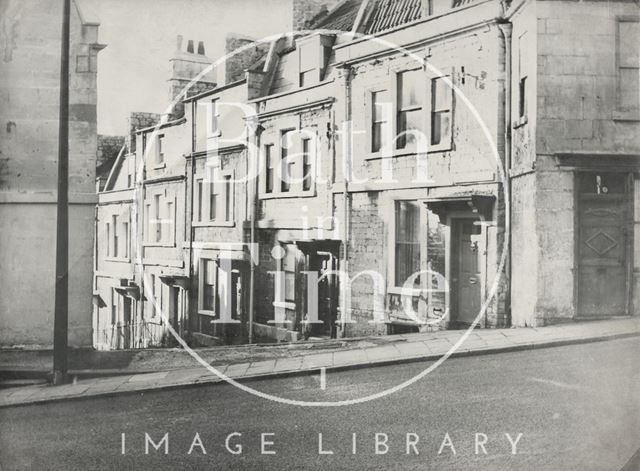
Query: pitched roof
379, 15
341, 17
387, 14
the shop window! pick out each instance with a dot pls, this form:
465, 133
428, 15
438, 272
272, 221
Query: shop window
407, 240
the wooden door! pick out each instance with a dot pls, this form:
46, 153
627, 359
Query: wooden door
466, 257
602, 252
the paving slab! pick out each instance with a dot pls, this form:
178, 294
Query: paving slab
318, 361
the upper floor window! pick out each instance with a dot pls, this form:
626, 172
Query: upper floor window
214, 118
114, 241
286, 173
269, 168
215, 197
441, 109
409, 112
160, 149
107, 231
127, 238
629, 65
307, 164
159, 219
380, 117
200, 198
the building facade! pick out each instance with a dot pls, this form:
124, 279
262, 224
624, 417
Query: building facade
29, 109
407, 165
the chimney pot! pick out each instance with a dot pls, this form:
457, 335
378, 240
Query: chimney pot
201, 48
179, 43
190, 46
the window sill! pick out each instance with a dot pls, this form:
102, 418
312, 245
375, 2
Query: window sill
626, 115
405, 152
158, 244
206, 313
117, 259
160, 166
399, 290
288, 194
213, 224
521, 121
285, 304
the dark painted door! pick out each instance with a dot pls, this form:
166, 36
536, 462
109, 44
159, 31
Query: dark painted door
602, 245
466, 261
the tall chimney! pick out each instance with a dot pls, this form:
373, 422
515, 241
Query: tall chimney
185, 65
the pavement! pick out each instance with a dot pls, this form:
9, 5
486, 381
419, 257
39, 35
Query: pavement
312, 358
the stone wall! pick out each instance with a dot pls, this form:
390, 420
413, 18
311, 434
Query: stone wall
578, 103
29, 109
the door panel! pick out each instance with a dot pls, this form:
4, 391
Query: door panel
467, 257
602, 253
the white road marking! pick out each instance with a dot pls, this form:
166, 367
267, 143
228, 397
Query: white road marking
554, 383
323, 378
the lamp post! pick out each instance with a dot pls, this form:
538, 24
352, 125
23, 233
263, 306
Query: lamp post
61, 313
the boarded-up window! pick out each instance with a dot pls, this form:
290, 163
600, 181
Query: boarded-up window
629, 65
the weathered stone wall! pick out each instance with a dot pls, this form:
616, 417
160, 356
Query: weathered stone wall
577, 79
29, 107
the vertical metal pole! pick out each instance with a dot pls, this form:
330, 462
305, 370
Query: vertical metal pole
60, 340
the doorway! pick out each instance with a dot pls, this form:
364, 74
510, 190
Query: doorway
467, 253
602, 253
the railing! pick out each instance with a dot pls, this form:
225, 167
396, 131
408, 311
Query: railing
130, 336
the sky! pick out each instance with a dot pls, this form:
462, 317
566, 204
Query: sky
141, 37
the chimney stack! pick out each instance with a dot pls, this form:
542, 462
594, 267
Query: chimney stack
185, 65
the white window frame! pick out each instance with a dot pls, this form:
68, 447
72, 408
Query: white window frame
296, 189
160, 154
217, 183
201, 268
446, 143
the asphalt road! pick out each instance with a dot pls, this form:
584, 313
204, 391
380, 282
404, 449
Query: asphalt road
577, 408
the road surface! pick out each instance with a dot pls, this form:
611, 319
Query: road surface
577, 408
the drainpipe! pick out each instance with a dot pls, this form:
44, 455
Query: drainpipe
252, 239
506, 29
189, 216
345, 197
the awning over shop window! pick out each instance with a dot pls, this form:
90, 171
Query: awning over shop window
481, 204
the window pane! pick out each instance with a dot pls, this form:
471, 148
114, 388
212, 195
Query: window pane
306, 165
213, 202
268, 155
440, 127
441, 95
407, 248
408, 121
629, 43
409, 90
381, 105
227, 197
